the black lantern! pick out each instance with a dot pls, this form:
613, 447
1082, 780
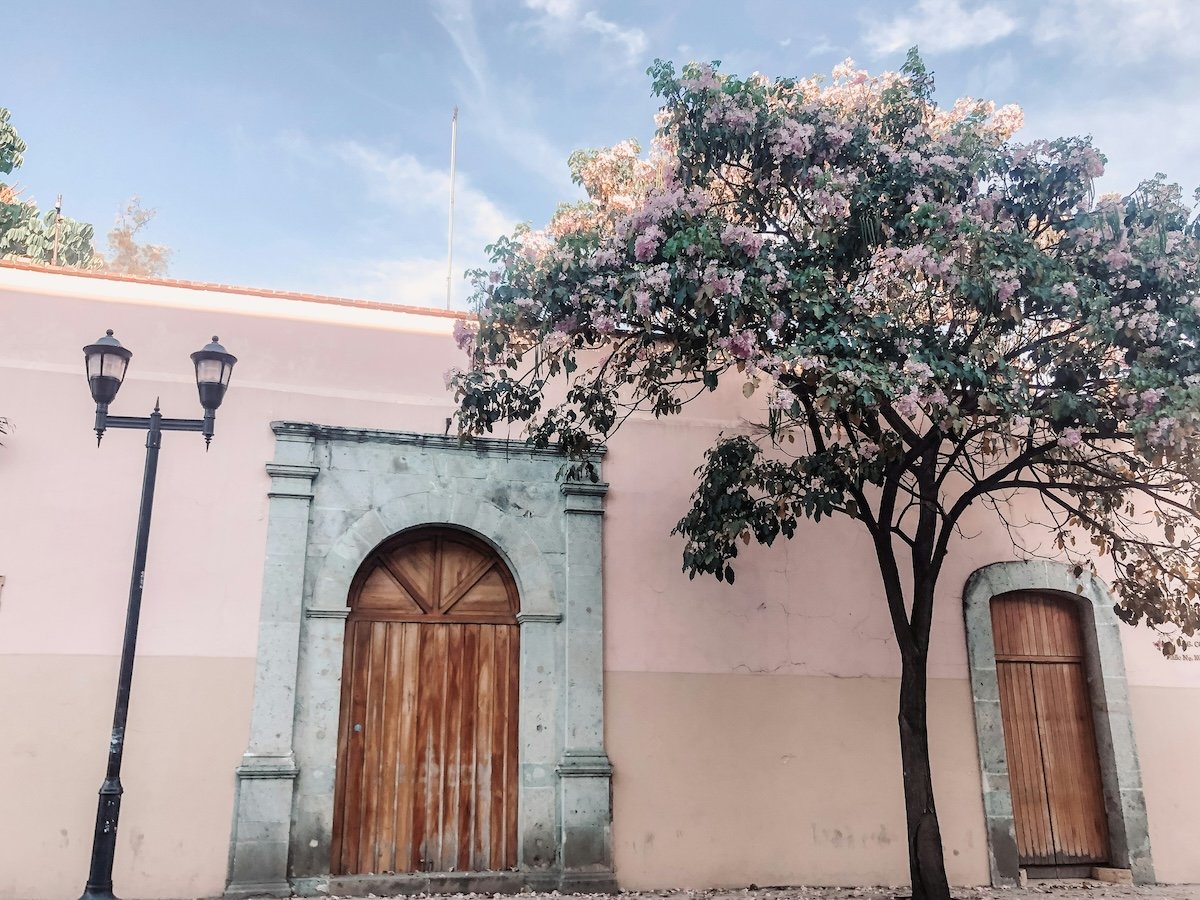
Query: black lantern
214, 365
106, 362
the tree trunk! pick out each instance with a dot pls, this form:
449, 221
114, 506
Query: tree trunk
926, 862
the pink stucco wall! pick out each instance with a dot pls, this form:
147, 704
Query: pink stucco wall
795, 607
809, 608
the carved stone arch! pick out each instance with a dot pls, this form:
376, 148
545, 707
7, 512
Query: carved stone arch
1105, 662
524, 558
336, 495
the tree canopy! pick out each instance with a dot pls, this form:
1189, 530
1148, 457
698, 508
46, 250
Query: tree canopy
27, 233
906, 285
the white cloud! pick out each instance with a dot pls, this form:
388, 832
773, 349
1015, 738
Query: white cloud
941, 25
1122, 30
412, 281
406, 203
423, 192
564, 17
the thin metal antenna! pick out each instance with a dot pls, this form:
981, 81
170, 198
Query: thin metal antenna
450, 232
57, 216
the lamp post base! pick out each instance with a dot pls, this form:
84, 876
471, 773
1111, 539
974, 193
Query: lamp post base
91, 893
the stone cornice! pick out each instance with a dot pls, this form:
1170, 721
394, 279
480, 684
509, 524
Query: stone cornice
491, 446
584, 488
551, 618
291, 470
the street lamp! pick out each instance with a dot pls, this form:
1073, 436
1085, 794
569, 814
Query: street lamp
106, 362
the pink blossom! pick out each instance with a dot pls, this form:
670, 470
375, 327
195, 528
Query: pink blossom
464, 334
705, 80
868, 450
642, 300
837, 136
781, 400
742, 345
603, 257
604, 323
907, 405
792, 138
647, 243
920, 369
1150, 400
1117, 259
741, 236
1070, 437
1006, 288
1068, 289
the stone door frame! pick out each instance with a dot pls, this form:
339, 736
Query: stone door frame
335, 495
1105, 665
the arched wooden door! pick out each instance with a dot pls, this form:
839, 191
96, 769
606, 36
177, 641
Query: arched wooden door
1053, 768
427, 743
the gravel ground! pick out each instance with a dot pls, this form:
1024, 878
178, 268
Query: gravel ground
1038, 890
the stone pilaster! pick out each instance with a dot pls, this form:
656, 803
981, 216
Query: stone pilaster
584, 769
263, 805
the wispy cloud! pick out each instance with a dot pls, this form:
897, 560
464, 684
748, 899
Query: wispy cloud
941, 25
564, 18
500, 108
1126, 30
407, 202
422, 192
457, 17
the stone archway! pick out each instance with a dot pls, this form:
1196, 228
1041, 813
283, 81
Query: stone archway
336, 495
1105, 663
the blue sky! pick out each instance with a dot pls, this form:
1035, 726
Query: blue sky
305, 146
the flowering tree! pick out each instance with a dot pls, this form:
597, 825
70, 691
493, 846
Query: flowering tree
935, 317
25, 232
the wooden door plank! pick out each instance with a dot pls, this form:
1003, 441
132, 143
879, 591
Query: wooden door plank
407, 748
511, 784
452, 755
465, 767
343, 762
355, 775
423, 788
1076, 793
481, 850
499, 720
389, 757
1035, 843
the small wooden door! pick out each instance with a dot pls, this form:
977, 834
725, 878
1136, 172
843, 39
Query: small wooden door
1054, 772
427, 746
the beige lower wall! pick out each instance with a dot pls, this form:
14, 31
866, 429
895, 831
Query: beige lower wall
724, 780
721, 780
187, 731
1167, 721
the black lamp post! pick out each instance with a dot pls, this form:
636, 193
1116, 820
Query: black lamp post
107, 361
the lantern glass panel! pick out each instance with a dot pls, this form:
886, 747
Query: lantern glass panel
212, 371
110, 365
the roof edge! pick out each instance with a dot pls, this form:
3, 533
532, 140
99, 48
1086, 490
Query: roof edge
234, 289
